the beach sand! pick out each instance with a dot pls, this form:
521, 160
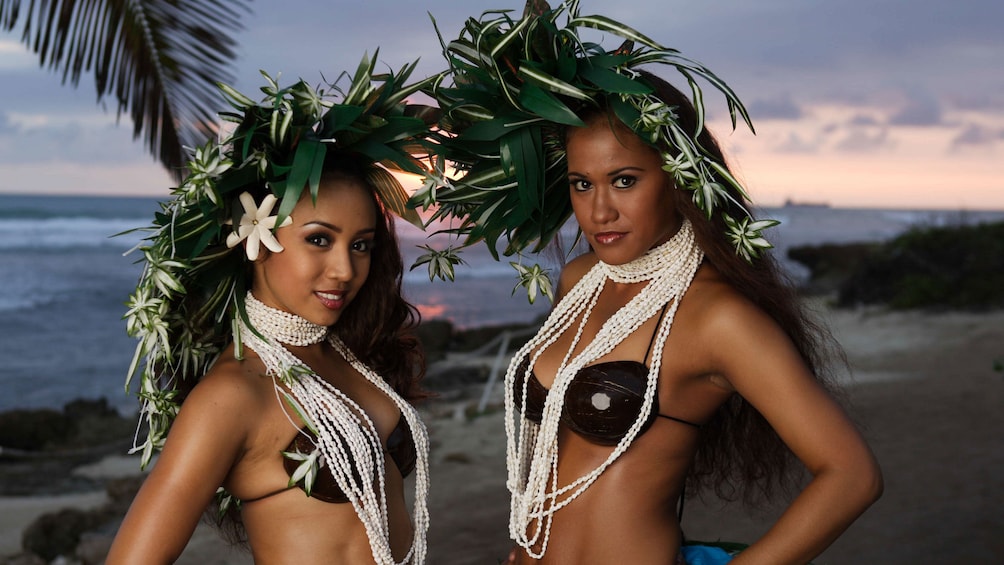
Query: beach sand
924, 391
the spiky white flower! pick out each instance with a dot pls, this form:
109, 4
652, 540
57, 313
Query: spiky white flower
256, 226
207, 164
748, 237
307, 470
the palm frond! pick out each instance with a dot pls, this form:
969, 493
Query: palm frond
159, 60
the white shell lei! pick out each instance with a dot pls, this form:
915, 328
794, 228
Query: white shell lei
340, 422
532, 450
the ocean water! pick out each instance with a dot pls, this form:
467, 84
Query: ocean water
64, 281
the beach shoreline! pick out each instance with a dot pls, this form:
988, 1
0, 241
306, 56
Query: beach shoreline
924, 391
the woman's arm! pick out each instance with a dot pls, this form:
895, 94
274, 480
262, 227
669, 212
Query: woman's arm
205, 441
760, 362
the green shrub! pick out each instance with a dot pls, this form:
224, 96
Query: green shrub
951, 267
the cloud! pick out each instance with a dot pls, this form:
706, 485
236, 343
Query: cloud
862, 120
67, 141
864, 140
987, 101
777, 108
821, 75
796, 143
7, 126
920, 109
975, 135
14, 55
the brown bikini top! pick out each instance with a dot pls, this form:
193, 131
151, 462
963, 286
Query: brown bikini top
400, 447
601, 403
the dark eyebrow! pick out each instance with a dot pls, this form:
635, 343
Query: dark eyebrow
613, 173
331, 227
337, 229
623, 170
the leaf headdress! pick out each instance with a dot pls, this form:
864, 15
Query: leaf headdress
190, 293
517, 82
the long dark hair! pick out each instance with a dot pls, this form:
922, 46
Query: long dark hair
740, 454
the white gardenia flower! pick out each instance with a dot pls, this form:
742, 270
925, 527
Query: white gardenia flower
256, 226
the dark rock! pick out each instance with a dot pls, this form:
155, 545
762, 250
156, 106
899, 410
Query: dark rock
435, 336
83, 408
57, 533
93, 547
23, 559
122, 491
33, 430
81, 424
39, 448
830, 265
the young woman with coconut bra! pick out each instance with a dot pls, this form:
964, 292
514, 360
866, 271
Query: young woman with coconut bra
676, 358
279, 361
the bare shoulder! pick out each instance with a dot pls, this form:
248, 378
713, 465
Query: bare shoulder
232, 385
715, 308
574, 270
727, 328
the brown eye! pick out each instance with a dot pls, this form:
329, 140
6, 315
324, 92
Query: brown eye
579, 185
363, 245
318, 240
624, 182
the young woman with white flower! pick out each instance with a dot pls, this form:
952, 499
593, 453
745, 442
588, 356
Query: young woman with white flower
279, 360
676, 358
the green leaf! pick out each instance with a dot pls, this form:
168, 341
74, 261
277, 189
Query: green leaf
397, 128
547, 106
491, 130
553, 84
612, 81
339, 118
512, 35
360, 87
603, 23
626, 112
488, 179
307, 165
294, 405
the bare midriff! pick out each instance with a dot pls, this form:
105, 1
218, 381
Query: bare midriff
629, 514
292, 528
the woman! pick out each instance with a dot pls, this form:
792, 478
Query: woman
675, 357
300, 421
724, 341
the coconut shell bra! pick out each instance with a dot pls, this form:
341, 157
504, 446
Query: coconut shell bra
400, 447
601, 402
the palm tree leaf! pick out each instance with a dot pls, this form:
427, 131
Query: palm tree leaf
159, 60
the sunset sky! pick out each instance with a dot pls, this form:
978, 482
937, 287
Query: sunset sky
857, 103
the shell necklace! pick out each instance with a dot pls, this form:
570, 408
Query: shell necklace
532, 449
347, 441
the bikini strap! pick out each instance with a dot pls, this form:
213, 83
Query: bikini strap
651, 341
650, 344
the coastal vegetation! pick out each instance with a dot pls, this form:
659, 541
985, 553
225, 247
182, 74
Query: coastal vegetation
942, 267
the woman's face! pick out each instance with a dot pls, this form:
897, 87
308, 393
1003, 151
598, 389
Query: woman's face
326, 255
622, 199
